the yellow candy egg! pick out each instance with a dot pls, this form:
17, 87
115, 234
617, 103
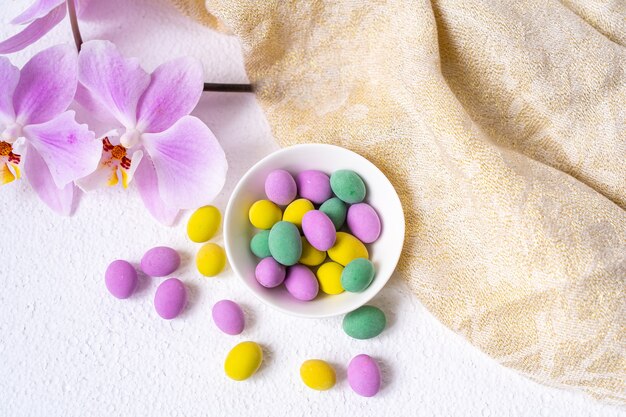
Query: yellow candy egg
243, 361
347, 248
210, 259
317, 374
329, 277
203, 224
296, 210
310, 256
264, 214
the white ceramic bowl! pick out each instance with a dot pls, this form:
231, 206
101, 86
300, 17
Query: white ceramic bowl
384, 253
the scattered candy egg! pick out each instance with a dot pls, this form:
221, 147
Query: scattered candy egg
364, 375
160, 261
280, 187
348, 186
120, 279
310, 256
319, 230
170, 298
317, 374
347, 248
357, 275
210, 259
296, 210
228, 317
336, 210
284, 243
259, 244
329, 277
243, 361
270, 273
301, 283
314, 186
203, 224
264, 214
363, 222
365, 322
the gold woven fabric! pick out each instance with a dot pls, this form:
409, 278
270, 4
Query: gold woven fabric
502, 125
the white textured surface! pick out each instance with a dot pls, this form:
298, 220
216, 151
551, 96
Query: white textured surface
67, 348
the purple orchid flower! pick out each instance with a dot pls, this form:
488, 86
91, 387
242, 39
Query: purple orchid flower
175, 158
37, 133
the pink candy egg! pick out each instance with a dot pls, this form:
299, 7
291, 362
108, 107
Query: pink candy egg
160, 261
280, 187
364, 375
363, 222
228, 317
120, 279
269, 273
319, 230
170, 298
314, 186
301, 283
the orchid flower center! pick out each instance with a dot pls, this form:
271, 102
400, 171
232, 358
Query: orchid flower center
118, 152
6, 150
12, 132
130, 138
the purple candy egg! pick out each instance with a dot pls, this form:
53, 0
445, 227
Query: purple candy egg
280, 187
160, 261
120, 279
314, 186
228, 317
170, 298
319, 230
301, 283
363, 222
269, 273
364, 375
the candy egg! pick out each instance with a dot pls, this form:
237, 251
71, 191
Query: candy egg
280, 187
269, 273
259, 244
120, 279
160, 261
310, 256
336, 210
170, 298
348, 186
284, 243
357, 275
347, 248
317, 374
364, 323
319, 230
203, 224
243, 361
228, 317
301, 283
296, 210
210, 259
264, 214
314, 185
329, 277
364, 375
364, 222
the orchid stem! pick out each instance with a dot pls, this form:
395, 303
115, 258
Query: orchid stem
71, 10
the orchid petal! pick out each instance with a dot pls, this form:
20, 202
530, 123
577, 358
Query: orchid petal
100, 120
38, 9
174, 90
97, 179
146, 180
9, 77
33, 32
47, 85
115, 82
189, 162
38, 175
69, 149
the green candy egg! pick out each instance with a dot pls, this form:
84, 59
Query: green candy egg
364, 323
348, 186
357, 275
284, 243
336, 211
259, 244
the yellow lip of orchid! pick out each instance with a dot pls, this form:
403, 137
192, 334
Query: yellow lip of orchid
9, 161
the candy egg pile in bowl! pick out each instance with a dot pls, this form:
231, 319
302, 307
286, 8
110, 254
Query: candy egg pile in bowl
284, 228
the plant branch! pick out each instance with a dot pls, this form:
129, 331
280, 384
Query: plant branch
71, 10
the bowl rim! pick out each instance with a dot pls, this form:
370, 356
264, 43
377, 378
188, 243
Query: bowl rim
229, 213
